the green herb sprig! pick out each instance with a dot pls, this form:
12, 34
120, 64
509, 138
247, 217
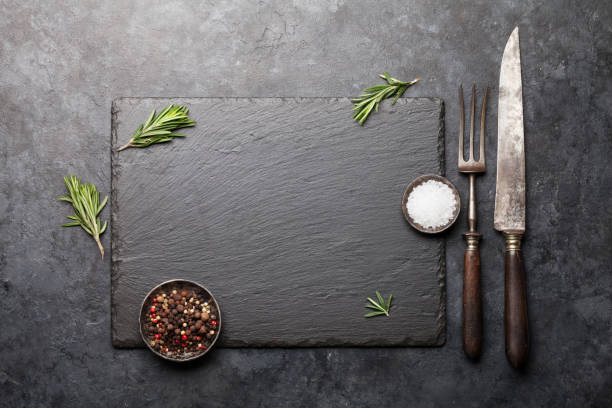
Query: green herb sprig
85, 200
380, 307
160, 128
372, 96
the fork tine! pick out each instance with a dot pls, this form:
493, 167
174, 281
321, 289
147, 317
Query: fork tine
481, 155
472, 122
461, 125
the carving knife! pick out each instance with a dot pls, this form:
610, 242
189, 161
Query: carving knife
509, 217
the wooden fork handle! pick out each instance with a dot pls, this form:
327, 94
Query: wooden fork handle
515, 316
472, 298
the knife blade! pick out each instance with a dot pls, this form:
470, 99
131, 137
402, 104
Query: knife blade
510, 187
509, 216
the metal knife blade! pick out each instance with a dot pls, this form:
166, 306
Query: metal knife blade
509, 213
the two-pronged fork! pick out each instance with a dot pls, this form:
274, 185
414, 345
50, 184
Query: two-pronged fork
472, 301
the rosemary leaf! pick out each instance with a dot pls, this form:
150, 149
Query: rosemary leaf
160, 128
379, 306
372, 96
380, 298
85, 200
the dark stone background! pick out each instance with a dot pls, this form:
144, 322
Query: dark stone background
62, 63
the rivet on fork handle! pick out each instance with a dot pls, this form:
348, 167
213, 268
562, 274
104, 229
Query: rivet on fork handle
472, 298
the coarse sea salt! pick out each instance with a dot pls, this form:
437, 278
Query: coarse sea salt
431, 204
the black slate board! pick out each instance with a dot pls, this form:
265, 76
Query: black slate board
288, 211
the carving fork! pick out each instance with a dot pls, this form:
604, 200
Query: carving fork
472, 298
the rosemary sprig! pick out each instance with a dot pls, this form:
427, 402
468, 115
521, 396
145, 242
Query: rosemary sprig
380, 307
372, 96
160, 128
85, 200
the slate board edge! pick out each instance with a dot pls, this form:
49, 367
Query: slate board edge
114, 204
442, 267
440, 338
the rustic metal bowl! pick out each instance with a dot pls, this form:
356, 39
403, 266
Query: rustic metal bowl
169, 286
417, 182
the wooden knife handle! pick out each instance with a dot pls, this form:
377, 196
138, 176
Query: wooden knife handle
472, 299
515, 316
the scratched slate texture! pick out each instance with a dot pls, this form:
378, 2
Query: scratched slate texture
288, 211
62, 63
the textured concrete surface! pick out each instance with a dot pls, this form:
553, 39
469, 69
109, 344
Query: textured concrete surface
288, 212
61, 65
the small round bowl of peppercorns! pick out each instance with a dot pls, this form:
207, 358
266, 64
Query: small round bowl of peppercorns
180, 320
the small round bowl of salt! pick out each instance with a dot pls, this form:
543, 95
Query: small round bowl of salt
431, 204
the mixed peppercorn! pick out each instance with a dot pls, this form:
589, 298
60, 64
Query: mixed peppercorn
180, 323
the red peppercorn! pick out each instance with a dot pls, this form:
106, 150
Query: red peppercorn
154, 300
153, 315
176, 340
198, 338
203, 347
183, 345
157, 335
214, 322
